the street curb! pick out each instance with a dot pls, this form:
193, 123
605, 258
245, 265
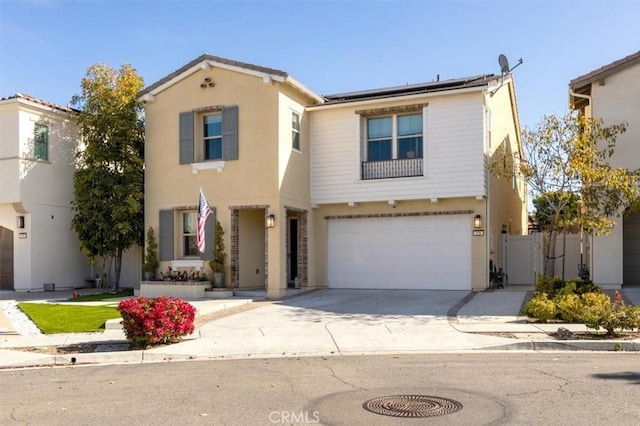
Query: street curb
570, 345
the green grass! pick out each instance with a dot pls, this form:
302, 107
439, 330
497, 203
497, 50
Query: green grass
53, 319
127, 292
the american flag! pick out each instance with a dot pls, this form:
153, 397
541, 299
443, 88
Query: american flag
203, 214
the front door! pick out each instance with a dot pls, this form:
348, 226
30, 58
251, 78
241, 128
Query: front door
6, 259
292, 255
631, 250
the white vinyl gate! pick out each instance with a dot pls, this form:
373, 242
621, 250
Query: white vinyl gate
524, 260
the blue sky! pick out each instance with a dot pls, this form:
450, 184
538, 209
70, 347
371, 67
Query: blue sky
330, 46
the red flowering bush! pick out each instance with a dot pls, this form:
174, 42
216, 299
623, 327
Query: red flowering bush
162, 320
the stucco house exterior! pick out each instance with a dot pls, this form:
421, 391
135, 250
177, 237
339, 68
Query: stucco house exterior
384, 188
38, 248
612, 93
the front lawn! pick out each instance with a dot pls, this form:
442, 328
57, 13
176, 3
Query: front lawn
53, 319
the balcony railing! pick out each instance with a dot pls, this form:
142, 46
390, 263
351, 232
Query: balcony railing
386, 169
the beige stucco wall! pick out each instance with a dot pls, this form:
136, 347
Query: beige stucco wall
479, 259
507, 198
267, 173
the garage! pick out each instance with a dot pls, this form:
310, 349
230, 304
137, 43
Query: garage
403, 252
631, 250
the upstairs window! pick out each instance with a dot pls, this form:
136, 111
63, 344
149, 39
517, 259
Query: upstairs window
212, 133
394, 137
41, 142
208, 133
379, 139
295, 131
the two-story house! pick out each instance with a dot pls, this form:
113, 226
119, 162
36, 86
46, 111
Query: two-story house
239, 132
612, 94
400, 186
37, 157
376, 189
38, 248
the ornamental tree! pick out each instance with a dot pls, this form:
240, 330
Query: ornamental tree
565, 164
108, 185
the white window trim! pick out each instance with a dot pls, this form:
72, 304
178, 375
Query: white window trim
187, 263
208, 165
204, 139
395, 139
299, 114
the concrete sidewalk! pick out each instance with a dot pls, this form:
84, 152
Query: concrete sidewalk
327, 322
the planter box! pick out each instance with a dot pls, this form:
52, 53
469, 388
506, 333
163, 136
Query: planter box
181, 289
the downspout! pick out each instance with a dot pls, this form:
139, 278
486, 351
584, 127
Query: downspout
590, 257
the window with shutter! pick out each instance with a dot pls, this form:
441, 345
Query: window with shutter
217, 131
186, 148
41, 142
165, 235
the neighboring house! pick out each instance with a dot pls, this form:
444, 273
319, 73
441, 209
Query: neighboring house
38, 143
612, 93
399, 180
374, 189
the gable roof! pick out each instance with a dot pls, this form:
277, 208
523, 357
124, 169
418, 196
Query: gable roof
604, 71
35, 100
410, 89
206, 60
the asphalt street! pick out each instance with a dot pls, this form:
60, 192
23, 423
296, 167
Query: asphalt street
576, 388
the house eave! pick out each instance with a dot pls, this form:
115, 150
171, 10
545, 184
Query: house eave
206, 62
396, 97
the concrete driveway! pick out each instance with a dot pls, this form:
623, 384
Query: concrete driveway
340, 321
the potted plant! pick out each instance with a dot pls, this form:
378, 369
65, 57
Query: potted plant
151, 262
219, 256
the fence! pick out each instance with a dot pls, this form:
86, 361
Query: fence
524, 259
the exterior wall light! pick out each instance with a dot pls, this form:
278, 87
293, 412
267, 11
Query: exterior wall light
20, 222
271, 221
477, 222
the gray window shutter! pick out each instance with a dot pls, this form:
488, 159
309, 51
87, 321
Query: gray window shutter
186, 137
209, 229
230, 133
165, 235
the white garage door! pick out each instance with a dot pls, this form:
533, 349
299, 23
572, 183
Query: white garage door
407, 252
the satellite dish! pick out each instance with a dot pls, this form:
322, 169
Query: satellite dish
504, 64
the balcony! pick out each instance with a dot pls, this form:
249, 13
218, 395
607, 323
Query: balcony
406, 167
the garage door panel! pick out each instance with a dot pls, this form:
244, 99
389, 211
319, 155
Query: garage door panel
415, 252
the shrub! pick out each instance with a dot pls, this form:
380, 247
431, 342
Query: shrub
582, 286
633, 317
569, 307
151, 263
596, 310
548, 285
567, 288
540, 307
149, 322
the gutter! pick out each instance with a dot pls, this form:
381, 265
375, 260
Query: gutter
579, 95
394, 98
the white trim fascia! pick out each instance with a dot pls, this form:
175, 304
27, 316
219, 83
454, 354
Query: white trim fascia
208, 64
174, 80
304, 89
25, 103
395, 98
207, 165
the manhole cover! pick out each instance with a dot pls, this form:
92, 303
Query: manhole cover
412, 406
